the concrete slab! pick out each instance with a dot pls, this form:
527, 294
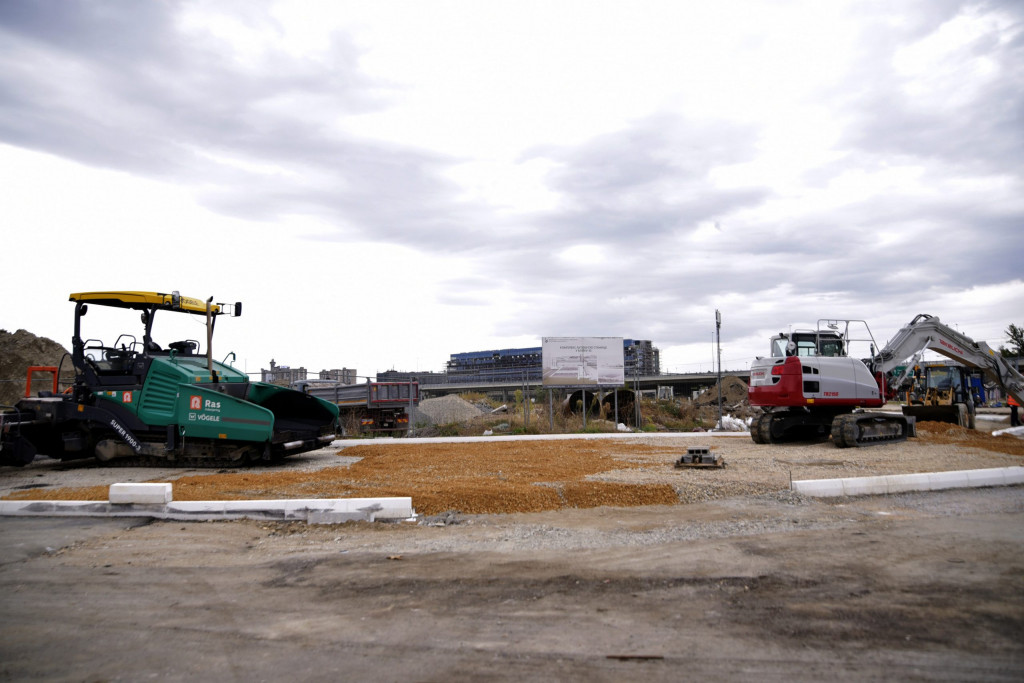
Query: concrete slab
858, 486
938, 481
330, 510
145, 494
986, 477
897, 483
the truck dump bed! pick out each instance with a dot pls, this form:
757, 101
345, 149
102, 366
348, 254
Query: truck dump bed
371, 395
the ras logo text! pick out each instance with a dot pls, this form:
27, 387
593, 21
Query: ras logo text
199, 403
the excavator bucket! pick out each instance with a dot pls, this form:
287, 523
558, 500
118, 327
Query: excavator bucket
956, 413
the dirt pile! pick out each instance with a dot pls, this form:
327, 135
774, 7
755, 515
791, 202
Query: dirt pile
734, 393
947, 433
18, 351
447, 409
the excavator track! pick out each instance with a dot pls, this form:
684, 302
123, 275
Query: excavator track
786, 426
185, 462
755, 429
855, 430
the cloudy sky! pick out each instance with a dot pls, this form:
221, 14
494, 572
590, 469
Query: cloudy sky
386, 183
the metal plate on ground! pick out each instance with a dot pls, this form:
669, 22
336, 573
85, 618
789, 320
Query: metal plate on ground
700, 457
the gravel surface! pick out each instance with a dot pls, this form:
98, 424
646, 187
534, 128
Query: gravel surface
750, 581
508, 475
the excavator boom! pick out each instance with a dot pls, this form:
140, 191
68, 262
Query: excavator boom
928, 332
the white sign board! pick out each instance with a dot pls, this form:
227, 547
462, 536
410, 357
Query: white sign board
582, 361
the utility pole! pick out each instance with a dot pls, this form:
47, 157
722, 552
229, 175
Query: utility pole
551, 409
636, 396
718, 342
526, 401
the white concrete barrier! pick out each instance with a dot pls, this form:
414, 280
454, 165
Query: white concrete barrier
342, 509
143, 494
312, 510
898, 483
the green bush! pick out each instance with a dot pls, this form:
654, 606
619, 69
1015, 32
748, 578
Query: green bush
519, 431
450, 429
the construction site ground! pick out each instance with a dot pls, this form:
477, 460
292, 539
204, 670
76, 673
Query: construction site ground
587, 559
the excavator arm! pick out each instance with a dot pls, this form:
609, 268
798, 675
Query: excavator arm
928, 332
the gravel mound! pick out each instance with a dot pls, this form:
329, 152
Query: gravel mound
448, 409
20, 350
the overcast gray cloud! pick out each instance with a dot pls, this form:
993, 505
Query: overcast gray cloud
889, 247
873, 171
119, 85
967, 110
650, 180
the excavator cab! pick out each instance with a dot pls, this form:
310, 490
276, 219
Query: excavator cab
808, 343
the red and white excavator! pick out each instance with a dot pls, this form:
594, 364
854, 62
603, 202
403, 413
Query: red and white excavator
812, 386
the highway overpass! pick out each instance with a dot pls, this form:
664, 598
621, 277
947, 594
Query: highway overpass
683, 384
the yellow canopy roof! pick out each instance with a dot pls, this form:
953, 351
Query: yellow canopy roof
146, 300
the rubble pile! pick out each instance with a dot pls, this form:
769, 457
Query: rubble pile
734, 393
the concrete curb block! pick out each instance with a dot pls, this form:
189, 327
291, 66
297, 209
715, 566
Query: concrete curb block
311, 510
159, 494
898, 483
